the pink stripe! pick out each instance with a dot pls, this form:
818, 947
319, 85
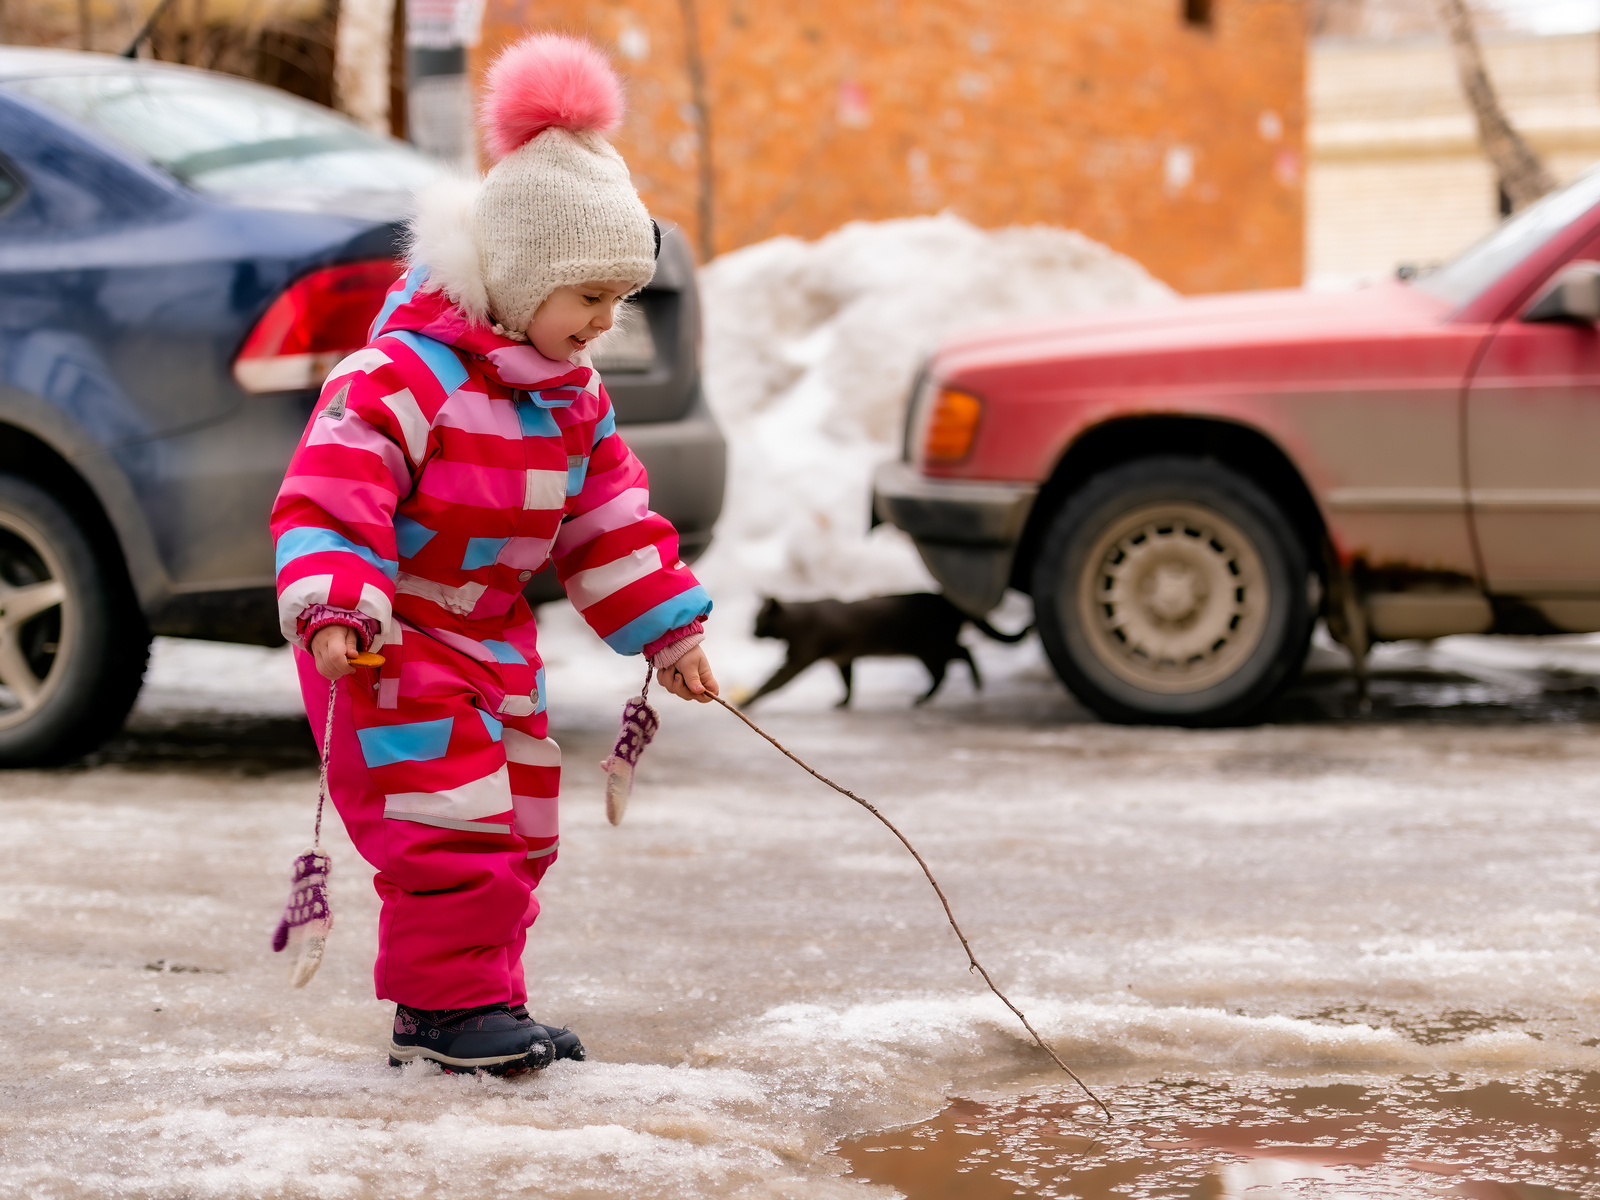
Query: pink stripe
349, 501
464, 483
475, 412
355, 433
600, 489
525, 553
525, 367
536, 816
461, 642
622, 509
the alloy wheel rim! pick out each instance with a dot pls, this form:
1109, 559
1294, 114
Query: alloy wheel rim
1173, 598
38, 620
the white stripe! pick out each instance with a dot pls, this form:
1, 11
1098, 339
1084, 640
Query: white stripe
461, 600
531, 751
296, 598
376, 605
412, 423
545, 489
589, 587
445, 822
545, 853
517, 706
363, 360
484, 797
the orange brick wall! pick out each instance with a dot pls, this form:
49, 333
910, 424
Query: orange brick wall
1080, 113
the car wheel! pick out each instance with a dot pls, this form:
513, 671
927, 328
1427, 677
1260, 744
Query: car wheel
72, 651
1173, 591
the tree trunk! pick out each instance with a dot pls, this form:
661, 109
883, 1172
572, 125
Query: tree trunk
1523, 177
706, 182
361, 61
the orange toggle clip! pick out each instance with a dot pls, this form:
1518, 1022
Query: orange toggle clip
368, 659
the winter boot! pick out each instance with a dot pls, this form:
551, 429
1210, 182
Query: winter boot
566, 1042
467, 1040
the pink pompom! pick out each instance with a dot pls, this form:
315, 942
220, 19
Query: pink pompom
545, 80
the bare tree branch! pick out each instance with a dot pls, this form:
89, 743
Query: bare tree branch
1522, 175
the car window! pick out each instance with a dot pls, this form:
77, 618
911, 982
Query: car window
230, 136
1481, 264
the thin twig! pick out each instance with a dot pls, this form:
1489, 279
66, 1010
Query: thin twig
939, 891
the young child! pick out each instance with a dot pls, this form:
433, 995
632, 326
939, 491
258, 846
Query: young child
466, 446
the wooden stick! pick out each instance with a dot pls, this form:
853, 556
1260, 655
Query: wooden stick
974, 964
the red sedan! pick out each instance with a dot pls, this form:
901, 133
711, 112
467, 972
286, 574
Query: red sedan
1183, 490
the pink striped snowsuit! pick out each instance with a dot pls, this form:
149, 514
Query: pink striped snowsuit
442, 467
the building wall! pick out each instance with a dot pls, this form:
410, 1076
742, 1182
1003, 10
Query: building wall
1178, 144
1396, 173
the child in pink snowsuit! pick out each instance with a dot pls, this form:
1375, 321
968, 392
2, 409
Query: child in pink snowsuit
468, 445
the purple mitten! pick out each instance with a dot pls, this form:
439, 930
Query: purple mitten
639, 725
306, 918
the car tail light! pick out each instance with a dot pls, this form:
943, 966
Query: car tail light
316, 321
952, 424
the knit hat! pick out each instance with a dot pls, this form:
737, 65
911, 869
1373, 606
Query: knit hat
556, 209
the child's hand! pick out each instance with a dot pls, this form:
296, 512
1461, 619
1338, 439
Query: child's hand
332, 647
690, 677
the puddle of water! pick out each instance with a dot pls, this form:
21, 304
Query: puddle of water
1532, 1137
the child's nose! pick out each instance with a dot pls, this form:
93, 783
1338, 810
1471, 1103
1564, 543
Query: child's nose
605, 320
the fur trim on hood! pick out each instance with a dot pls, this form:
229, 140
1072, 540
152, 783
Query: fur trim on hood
440, 238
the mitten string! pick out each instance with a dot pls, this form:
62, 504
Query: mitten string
322, 778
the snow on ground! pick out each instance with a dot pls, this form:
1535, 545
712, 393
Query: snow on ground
756, 967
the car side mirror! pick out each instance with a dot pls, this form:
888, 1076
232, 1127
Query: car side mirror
1574, 296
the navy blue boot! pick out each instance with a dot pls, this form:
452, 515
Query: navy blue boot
564, 1041
489, 1038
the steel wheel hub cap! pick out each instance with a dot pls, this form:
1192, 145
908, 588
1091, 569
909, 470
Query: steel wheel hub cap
1173, 598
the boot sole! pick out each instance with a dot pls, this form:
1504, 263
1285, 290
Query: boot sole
507, 1064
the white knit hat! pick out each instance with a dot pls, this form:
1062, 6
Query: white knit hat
557, 208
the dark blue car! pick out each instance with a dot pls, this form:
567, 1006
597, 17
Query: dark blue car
183, 256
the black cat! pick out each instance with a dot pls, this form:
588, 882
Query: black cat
921, 624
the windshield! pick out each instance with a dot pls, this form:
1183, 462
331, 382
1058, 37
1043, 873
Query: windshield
1481, 264
230, 136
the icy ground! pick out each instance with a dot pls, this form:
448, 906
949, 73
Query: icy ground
752, 961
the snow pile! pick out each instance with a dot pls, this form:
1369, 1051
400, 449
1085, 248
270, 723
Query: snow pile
810, 350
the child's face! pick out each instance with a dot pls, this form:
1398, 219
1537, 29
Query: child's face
571, 317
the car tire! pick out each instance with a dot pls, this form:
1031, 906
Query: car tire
73, 646
1173, 591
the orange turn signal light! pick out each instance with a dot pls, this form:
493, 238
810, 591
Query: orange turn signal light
951, 426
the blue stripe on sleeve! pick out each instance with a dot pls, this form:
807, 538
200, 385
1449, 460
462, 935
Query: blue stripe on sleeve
411, 536
538, 686
495, 728
313, 539
418, 741
414, 279
672, 614
605, 426
556, 397
436, 356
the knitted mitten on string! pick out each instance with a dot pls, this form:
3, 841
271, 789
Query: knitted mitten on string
639, 725
303, 930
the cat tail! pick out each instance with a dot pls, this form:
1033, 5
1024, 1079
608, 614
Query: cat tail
989, 630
